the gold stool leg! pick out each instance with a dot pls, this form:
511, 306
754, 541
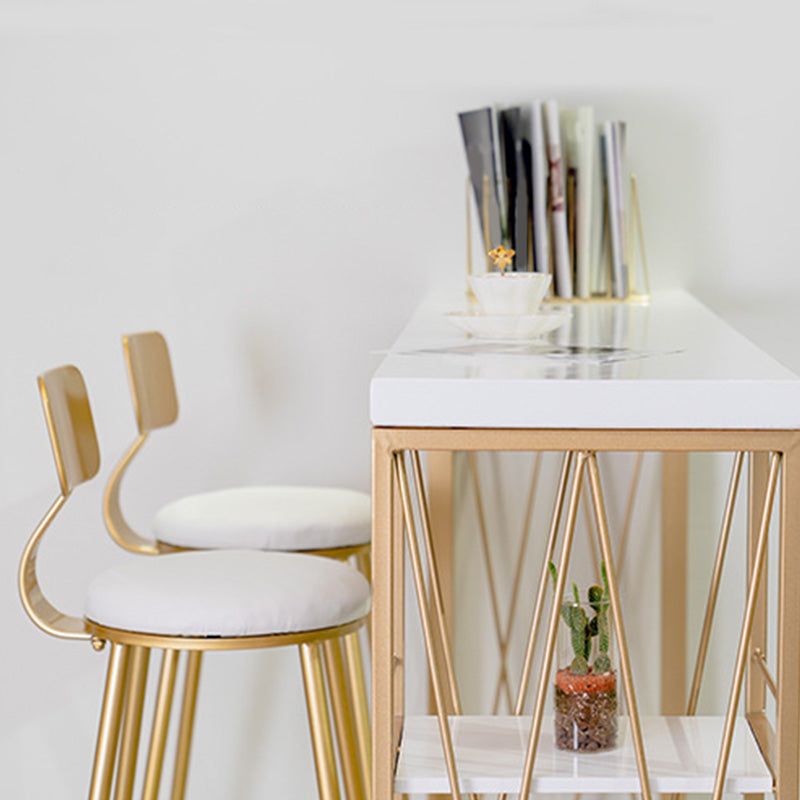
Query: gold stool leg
110, 716
343, 719
354, 671
155, 759
131, 727
319, 720
187, 724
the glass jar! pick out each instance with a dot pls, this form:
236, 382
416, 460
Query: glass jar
586, 711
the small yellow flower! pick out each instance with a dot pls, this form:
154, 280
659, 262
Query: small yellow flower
501, 257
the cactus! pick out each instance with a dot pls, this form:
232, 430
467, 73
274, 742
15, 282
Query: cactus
583, 630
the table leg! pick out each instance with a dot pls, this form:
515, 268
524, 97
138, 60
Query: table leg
788, 661
383, 620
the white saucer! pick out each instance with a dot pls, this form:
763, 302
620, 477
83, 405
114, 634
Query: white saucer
509, 326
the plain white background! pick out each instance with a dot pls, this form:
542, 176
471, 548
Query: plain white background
274, 185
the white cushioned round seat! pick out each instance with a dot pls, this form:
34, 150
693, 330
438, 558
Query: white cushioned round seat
227, 593
267, 518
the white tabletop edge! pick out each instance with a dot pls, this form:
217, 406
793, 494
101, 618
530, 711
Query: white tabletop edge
681, 367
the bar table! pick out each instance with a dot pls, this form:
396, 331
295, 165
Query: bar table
667, 376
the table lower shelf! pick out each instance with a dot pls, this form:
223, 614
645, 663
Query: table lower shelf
681, 753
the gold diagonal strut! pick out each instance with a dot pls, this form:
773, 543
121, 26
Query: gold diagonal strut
713, 589
544, 675
512, 609
555, 523
622, 547
487, 558
744, 639
616, 611
586, 503
427, 627
435, 583
760, 661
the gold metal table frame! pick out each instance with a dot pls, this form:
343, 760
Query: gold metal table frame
397, 516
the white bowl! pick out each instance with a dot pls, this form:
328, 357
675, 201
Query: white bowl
515, 293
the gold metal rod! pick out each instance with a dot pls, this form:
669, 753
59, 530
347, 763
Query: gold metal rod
343, 720
764, 734
761, 662
186, 728
744, 639
544, 675
616, 611
487, 242
487, 558
713, 589
469, 231
544, 577
523, 546
132, 724
427, 627
586, 503
435, 583
319, 720
155, 758
673, 558
622, 546
755, 687
108, 732
636, 209
354, 671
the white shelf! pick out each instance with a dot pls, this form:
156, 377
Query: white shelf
681, 757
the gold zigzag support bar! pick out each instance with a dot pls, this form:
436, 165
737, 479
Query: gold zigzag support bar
747, 624
427, 624
515, 586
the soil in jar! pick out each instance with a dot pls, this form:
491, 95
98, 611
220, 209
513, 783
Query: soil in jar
586, 711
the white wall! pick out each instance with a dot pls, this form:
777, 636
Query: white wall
273, 185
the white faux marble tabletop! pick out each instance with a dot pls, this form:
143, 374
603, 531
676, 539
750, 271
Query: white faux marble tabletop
671, 364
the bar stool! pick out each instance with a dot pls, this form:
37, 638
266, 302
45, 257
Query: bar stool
325, 521
193, 602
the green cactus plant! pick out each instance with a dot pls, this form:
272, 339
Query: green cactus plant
583, 629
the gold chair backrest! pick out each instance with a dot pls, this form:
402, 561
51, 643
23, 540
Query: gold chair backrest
152, 384
74, 443
70, 424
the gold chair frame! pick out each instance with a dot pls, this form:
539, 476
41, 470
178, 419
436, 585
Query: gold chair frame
155, 403
74, 443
